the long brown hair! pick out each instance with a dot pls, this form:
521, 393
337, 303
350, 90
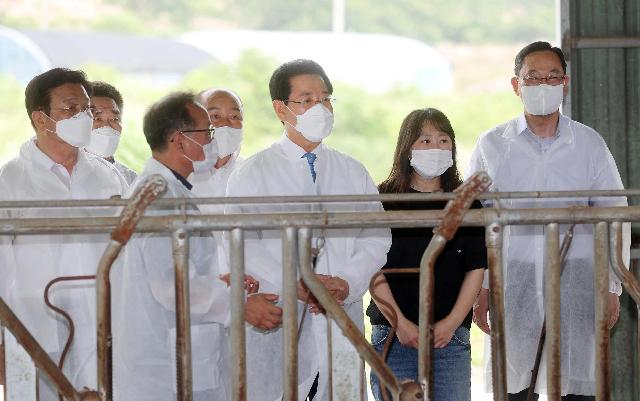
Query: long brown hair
399, 179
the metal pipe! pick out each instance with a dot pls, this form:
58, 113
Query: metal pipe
290, 312
601, 289
146, 194
493, 239
334, 220
454, 213
238, 339
426, 312
39, 356
335, 311
610, 42
552, 310
177, 202
180, 245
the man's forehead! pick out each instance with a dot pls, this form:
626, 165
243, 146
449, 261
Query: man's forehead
308, 82
69, 91
542, 59
217, 100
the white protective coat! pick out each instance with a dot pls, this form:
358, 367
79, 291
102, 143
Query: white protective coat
214, 185
143, 311
577, 160
352, 254
29, 262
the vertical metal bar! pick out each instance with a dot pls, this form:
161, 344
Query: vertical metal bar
601, 289
426, 311
290, 312
104, 337
238, 339
552, 310
349, 329
180, 243
493, 239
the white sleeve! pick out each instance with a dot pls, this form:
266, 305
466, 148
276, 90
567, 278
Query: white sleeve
209, 296
259, 259
606, 176
369, 251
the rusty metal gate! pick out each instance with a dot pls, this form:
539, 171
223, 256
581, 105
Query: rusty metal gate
23, 352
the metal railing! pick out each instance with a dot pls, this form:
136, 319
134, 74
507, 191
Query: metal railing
296, 243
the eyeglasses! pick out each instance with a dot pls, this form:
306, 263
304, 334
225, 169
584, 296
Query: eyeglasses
551, 79
72, 110
309, 102
209, 131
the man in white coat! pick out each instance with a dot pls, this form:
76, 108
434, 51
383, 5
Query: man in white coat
226, 114
301, 164
107, 106
542, 150
179, 133
53, 166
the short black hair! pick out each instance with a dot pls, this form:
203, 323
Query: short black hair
103, 89
538, 47
37, 95
166, 116
280, 82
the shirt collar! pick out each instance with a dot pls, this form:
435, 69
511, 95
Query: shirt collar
182, 180
295, 152
37, 156
563, 131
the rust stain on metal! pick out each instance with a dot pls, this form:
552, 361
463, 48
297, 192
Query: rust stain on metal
64, 314
456, 208
148, 192
39, 356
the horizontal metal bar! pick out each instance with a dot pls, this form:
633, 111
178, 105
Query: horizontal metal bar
337, 220
610, 42
264, 200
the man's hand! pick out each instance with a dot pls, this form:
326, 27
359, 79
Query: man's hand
443, 332
338, 287
251, 285
407, 333
305, 295
481, 311
614, 309
260, 311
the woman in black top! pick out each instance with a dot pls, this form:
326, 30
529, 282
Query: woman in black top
424, 161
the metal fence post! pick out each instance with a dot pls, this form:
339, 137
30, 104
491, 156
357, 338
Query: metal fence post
290, 312
552, 309
238, 335
180, 242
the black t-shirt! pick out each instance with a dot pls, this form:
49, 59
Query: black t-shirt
465, 252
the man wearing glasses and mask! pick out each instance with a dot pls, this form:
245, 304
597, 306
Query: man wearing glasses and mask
543, 150
181, 138
300, 163
54, 166
107, 106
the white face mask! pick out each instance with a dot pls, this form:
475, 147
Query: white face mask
76, 130
541, 100
104, 141
210, 151
315, 124
228, 140
431, 163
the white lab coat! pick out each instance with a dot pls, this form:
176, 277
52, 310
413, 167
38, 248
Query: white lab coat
352, 254
143, 311
213, 184
577, 160
29, 262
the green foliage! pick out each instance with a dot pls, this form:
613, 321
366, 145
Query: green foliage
366, 125
434, 21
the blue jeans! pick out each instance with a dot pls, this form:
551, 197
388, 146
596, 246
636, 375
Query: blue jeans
451, 365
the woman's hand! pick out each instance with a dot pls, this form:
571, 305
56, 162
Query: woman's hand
443, 332
407, 332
